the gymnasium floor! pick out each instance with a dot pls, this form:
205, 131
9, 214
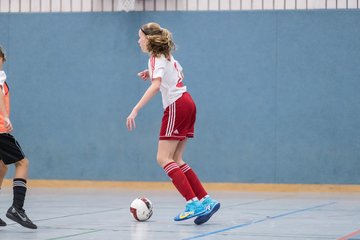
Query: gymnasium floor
103, 214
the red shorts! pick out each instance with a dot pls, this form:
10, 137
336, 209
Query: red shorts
179, 119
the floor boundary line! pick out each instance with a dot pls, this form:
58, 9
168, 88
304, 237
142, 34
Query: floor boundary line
260, 220
349, 235
74, 235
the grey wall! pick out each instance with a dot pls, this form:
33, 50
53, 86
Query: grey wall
277, 94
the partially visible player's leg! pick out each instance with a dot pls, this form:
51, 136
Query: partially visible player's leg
13, 154
16, 212
165, 158
22, 169
19, 183
3, 170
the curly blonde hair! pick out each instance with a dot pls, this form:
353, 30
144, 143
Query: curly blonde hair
2, 54
160, 39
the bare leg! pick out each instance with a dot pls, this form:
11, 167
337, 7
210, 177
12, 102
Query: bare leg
16, 211
178, 155
22, 168
3, 171
166, 150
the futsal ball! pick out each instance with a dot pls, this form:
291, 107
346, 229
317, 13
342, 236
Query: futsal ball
141, 209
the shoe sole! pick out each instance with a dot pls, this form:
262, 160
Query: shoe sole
19, 222
204, 218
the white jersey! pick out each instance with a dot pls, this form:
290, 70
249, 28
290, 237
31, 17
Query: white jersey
2, 77
169, 71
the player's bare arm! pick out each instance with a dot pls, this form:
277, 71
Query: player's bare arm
148, 95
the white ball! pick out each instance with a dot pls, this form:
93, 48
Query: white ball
141, 209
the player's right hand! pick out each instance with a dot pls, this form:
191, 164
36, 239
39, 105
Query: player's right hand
144, 75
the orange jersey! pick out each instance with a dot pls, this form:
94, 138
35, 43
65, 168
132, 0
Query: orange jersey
6, 97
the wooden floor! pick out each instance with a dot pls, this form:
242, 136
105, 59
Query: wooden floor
93, 213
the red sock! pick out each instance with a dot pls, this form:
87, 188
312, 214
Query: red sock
179, 180
194, 181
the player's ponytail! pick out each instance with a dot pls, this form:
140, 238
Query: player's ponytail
160, 39
2, 54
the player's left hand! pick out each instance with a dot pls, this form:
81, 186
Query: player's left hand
130, 121
144, 75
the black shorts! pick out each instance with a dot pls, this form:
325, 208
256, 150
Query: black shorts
10, 150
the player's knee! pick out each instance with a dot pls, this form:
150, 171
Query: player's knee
159, 159
162, 161
178, 159
179, 162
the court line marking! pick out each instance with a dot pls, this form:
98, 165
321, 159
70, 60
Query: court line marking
80, 214
252, 202
261, 220
349, 235
74, 235
73, 215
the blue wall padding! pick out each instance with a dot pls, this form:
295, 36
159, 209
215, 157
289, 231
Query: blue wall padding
277, 94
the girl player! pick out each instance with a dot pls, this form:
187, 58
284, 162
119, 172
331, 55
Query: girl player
11, 153
178, 121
